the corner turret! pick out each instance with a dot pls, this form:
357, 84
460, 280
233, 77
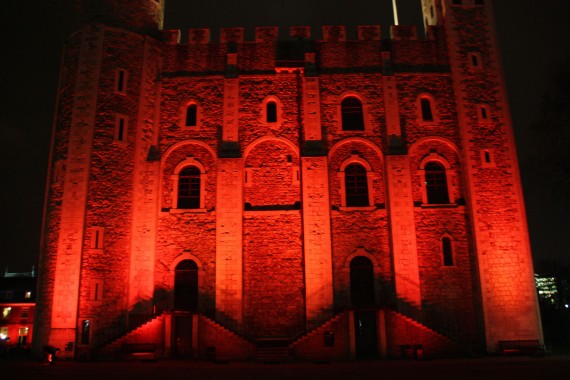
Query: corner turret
141, 16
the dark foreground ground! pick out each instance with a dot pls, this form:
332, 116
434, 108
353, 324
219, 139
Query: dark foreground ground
505, 368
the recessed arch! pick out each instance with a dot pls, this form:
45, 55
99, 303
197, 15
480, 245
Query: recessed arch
185, 256
180, 144
265, 139
414, 148
361, 140
360, 252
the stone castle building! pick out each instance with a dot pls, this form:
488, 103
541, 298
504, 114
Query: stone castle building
285, 197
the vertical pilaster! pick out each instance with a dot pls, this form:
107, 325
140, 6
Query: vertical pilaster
317, 240
75, 189
316, 208
229, 245
311, 109
145, 190
400, 200
403, 229
231, 106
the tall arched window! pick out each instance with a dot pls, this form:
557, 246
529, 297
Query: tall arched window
361, 281
426, 109
186, 286
436, 183
271, 112
191, 115
352, 116
189, 187
356, 186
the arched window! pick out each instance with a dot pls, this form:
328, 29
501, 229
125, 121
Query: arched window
191, 115
436, 183
352, 116
356, 186
186, 286
189, 187
447, 251
426, 109
271, 112
361, 282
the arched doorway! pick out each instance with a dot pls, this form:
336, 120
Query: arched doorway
361, 282
185, 302
363, 301
186, 286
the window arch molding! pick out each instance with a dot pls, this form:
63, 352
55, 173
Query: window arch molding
427, 109
436, 158
364, 112
270, 116
356, 159
188, 162
361, 252
185, 116
295, 169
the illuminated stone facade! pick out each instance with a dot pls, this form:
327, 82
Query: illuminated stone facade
283, 197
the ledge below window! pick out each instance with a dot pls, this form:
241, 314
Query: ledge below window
439, 205
185, 210
357, 208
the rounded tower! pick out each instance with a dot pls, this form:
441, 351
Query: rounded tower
103, 131
141, 16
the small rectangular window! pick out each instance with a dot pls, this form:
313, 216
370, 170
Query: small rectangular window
97, 237
475, 62
85, 331
6, 312
121, 128
121, 81
271, 111
427, 114
28, 295
447, 251
96, 293
25, 313
22, 331
487, 158
248, 177
192, 115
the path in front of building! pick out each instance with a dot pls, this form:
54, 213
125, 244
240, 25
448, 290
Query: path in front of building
504, 368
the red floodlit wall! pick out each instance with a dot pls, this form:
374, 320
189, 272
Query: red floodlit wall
272, 236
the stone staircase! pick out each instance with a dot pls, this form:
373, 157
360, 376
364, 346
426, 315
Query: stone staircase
273, 351
148, 332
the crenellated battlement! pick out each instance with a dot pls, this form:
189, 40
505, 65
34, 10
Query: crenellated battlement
271, 50
331, 33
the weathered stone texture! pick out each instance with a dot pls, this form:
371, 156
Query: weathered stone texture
273, 175
273, 237
273, 279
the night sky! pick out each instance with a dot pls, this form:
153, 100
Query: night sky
531, 38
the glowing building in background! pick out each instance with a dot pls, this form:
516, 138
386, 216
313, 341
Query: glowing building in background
287, 197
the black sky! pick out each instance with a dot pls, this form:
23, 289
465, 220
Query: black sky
532, 39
